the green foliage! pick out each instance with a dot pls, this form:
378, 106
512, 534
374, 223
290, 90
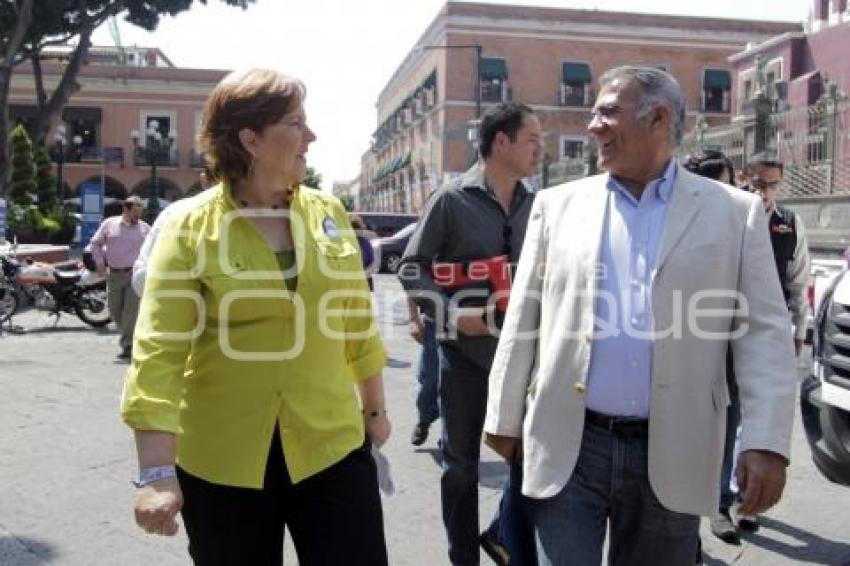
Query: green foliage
22, 182
312, 178
347, 201
28, 218
28, 221
45, 181
59, 18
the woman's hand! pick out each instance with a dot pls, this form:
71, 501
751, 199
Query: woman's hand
378, 429
156, 506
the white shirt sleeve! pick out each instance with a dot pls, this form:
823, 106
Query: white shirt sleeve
141, 263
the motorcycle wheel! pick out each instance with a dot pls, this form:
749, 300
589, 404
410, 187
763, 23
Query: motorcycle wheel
91, 307
8, 303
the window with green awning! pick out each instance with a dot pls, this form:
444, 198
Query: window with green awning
493, 69
716, 78
575, 73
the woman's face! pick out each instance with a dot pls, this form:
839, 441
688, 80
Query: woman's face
281, 149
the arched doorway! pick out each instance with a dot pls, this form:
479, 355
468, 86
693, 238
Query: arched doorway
167, 190
114, 193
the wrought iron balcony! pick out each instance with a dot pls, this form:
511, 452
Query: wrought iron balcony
163, 157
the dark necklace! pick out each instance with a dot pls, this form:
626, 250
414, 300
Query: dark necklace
245, 205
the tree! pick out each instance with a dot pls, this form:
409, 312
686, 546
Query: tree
15, 19
347, 201
312, 178
56, 22
23, 183
45, 181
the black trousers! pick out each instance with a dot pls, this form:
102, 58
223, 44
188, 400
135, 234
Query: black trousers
334, 517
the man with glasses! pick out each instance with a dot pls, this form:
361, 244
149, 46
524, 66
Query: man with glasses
764, 173
481, 215
788, 236
609, 374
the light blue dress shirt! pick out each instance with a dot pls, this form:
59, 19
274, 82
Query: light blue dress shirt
620, 373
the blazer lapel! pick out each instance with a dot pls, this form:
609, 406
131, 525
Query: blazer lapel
595, 207
684, 205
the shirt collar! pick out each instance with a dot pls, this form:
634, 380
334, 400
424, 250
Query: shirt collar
474, 178
663, 186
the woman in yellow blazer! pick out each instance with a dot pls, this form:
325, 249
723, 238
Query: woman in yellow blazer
255, 325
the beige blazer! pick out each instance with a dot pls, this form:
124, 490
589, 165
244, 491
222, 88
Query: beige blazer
715, 241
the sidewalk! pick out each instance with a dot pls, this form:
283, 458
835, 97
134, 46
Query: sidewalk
67, 460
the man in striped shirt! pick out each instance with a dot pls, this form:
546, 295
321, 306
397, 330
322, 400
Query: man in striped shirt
114, 247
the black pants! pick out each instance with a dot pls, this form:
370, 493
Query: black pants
334, 517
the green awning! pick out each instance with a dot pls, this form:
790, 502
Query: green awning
575, 73
715, 78
493, 69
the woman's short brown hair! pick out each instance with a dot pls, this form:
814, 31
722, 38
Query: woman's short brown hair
252, 99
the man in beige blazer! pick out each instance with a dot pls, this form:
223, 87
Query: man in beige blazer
609, 378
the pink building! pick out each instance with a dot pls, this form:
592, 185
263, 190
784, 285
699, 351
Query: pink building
798, 62
122, 94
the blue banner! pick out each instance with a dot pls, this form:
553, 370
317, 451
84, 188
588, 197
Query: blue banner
91, 210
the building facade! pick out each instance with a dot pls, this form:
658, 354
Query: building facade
797, 65
122, 93
548, 58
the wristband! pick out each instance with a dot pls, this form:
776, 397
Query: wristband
156, 473
375, 414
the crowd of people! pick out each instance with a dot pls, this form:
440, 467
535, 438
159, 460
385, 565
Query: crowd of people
642, 374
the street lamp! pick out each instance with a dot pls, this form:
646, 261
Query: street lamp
155, 145
61, 140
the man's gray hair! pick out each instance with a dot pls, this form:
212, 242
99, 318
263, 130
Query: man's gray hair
655, 87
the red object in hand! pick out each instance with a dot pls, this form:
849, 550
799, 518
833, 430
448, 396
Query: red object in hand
495, 270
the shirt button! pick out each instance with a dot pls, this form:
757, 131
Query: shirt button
633, 363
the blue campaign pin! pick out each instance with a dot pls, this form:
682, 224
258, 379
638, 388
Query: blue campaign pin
330, 227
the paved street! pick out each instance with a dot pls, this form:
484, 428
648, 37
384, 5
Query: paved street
66, 458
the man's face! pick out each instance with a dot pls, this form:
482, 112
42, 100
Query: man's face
135, 213
765, 181
522, 155
626, 145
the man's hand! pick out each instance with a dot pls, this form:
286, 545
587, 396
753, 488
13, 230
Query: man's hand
798, 346
469, 321
156, 506
507, 447
761, 477
416, 329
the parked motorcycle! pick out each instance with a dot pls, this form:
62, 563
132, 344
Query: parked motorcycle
72, 289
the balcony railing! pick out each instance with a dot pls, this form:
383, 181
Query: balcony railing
89, 154
496, 91
164, 158
580, 95
714, 102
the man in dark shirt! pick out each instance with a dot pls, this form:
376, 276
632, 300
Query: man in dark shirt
481, 215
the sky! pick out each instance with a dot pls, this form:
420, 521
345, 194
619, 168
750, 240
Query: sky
345, 51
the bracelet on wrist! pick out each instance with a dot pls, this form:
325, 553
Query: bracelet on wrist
375, 413
155, 473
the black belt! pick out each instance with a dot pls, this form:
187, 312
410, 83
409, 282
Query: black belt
620, 426
120, 269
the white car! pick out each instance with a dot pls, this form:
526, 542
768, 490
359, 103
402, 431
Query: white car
825, 393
